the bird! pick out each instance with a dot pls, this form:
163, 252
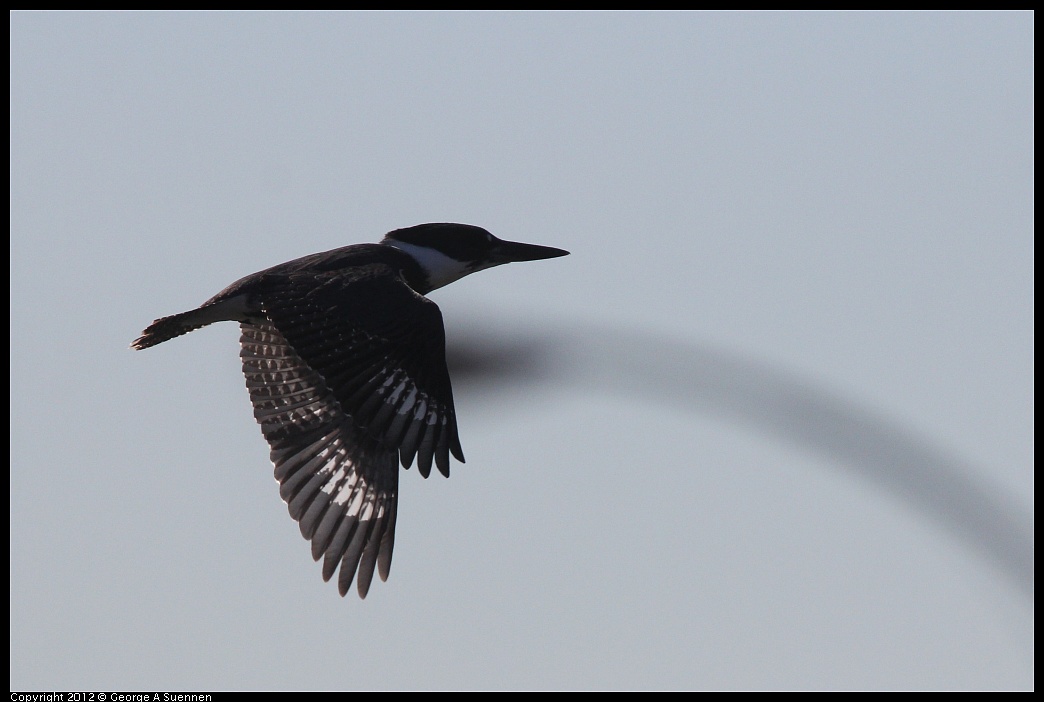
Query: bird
344, 357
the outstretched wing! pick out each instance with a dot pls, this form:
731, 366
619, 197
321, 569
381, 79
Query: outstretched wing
348, 379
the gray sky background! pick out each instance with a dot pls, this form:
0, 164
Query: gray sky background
769, 426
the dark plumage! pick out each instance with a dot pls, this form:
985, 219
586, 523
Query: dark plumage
345, 364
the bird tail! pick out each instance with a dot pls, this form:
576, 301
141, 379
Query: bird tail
218, 309
169, 327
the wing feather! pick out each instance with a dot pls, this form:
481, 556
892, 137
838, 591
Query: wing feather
345, 390
336, 479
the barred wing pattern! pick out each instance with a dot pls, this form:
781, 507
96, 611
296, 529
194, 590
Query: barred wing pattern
343, 394
340, 485
385, 362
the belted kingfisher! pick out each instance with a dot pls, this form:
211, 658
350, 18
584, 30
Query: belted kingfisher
345, 362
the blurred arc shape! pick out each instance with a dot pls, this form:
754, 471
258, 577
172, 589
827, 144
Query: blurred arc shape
585, 358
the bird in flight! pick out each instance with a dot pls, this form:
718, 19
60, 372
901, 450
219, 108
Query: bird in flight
345, 363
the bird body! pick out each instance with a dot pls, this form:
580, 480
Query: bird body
345, 363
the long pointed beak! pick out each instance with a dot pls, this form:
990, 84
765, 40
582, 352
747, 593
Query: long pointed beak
512, 251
